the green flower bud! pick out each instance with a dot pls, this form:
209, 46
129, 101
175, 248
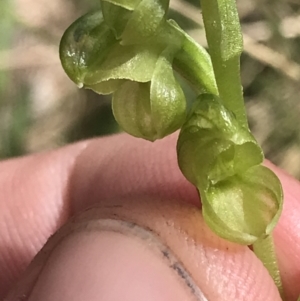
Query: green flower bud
151, 110
93, 58
241, 199
86, 41
245, 207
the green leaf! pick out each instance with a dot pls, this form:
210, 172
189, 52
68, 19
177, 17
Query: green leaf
145, 21
87, 40
194, 63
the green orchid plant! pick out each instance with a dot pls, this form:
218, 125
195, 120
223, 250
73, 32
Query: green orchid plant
130, 49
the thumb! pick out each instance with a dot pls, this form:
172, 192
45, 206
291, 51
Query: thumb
142, 249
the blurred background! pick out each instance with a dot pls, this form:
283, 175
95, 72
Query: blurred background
41, 109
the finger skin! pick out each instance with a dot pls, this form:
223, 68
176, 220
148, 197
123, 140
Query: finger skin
39, 193
221, 270
287, 235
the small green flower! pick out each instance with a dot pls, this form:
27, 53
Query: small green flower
148, 102
154, 109
242, 200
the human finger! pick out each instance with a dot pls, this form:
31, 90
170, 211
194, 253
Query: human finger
89, 181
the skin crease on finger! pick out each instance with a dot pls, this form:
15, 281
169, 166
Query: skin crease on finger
43, 191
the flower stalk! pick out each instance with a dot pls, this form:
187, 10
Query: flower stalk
225, 42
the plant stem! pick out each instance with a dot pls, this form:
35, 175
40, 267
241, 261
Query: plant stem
264, 249
225, 42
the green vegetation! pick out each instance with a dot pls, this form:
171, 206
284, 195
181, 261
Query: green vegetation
131, 49
40, 109
56, 114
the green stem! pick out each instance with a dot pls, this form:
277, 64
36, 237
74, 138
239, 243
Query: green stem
264, 249
225, 42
